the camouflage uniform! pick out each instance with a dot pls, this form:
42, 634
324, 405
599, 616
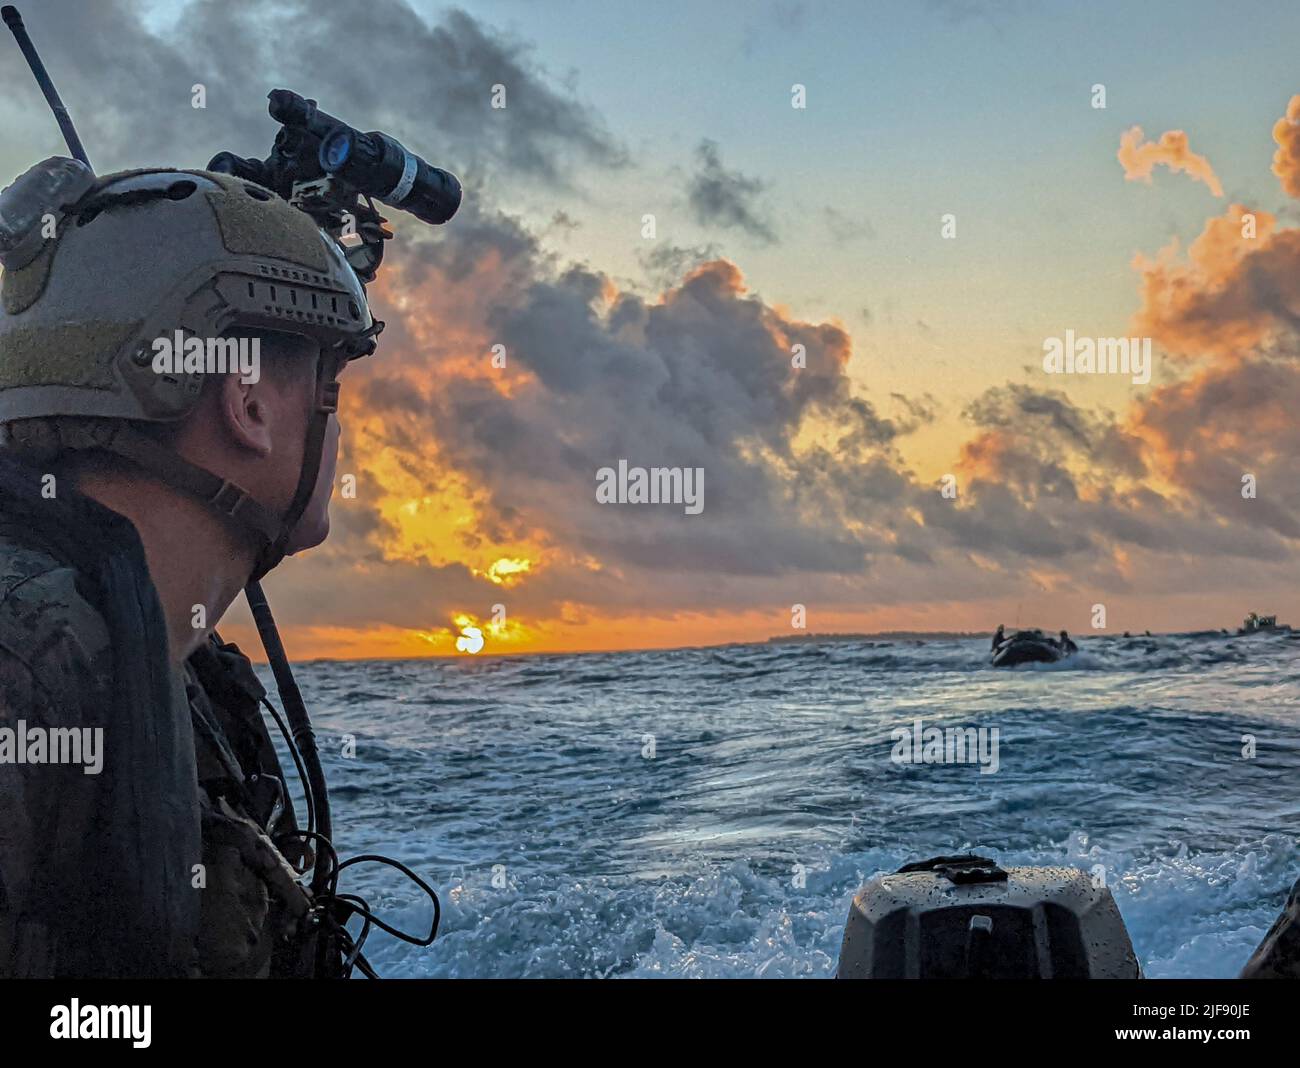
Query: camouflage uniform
56, 669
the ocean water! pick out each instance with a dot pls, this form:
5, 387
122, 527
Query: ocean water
711, 812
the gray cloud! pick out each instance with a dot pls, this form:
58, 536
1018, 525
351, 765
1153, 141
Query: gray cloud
378, 66
665, 264
701, 376
726, 199
1229, 422
1056, 426
844, 229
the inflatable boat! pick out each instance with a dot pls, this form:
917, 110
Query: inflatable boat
1029, 647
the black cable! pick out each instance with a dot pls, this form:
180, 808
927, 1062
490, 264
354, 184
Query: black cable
373, 858
360, 939
296, 713
297, 760
328, 903
335, 909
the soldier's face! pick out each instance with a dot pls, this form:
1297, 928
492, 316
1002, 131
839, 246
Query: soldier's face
314, 526
287, 404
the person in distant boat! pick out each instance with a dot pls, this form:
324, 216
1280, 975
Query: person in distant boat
999, 637
1066, 645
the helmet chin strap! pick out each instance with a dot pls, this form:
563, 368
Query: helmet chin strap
303, 738
270, 530
326, 403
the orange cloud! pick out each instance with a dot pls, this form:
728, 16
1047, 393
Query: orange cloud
1139, 158
1234, 304
1286, 160
1231, 294
986, 456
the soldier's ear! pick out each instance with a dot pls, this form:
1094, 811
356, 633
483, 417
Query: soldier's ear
247, 411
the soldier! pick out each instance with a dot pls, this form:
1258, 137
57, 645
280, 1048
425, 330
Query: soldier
135, 504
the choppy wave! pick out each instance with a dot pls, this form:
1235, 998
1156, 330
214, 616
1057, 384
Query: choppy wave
711, 812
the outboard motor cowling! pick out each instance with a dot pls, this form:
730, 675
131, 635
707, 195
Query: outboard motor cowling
964, 917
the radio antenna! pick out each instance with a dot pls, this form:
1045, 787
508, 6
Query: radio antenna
15, 23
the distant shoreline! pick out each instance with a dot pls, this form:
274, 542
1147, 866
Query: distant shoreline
881, 637
884, 635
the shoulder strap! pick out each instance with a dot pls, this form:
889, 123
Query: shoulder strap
235, 750
131, 878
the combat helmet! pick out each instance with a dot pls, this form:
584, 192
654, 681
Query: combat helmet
97, 268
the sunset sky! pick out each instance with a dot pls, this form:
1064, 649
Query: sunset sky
774, 226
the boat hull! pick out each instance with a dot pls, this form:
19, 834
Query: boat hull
1026, 651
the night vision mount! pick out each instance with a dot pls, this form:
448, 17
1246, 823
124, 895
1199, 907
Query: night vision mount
318, 163
335, 173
